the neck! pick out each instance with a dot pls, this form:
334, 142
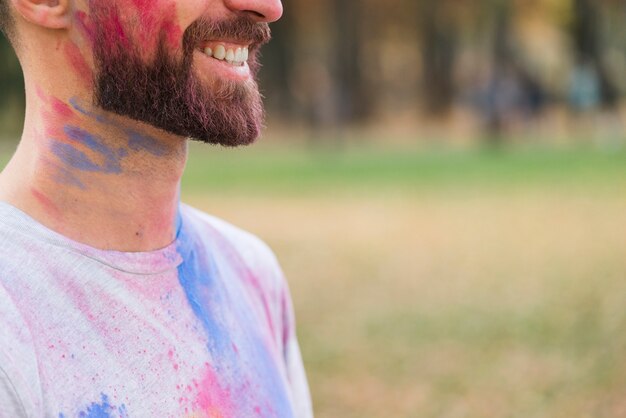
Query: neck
94, 177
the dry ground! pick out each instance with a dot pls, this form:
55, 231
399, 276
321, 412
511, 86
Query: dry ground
453, 305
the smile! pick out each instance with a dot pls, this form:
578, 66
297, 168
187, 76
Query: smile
233, 54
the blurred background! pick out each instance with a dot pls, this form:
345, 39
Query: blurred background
444, 183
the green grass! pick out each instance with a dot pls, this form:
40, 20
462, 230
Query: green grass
301, 171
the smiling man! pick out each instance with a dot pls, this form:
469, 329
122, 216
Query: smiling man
116, 300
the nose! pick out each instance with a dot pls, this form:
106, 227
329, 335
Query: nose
259, 10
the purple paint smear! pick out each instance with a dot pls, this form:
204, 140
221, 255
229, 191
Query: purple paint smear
73, 157
136, 141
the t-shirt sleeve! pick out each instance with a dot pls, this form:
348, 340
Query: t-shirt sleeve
277, 291
293, 360
273, 292
20, 394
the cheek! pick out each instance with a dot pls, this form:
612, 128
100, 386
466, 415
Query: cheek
128, 24
155, 19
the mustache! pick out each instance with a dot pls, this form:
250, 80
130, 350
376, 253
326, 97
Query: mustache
240, 29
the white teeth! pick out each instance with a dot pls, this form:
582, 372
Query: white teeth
220, 52
233, 56
230, 55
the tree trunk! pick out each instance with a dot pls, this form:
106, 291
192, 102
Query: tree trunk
439, 39
353, 93
587, 42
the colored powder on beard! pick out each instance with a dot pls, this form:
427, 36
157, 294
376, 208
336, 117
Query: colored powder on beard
156, 19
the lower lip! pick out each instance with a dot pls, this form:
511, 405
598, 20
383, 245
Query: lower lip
222, 69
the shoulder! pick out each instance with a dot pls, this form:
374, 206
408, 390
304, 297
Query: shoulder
234, 243
244, 257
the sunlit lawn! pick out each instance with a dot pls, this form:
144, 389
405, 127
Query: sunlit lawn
442, 284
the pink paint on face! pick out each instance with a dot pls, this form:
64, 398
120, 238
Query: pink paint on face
157, 19
131, 24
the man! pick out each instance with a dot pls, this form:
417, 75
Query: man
115, 299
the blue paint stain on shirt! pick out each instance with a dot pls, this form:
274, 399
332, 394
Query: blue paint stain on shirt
102, 409
211, 301
198, 277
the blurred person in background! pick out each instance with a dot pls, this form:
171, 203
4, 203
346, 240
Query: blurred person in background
117, 300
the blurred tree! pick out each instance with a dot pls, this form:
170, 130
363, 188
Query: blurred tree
586, 34
354, 95
439, 41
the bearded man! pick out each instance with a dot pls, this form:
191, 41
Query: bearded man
116, 300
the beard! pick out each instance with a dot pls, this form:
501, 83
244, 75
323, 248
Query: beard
164, 91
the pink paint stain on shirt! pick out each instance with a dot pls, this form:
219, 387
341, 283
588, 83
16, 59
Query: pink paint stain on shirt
170, 354
213, 400
81, 301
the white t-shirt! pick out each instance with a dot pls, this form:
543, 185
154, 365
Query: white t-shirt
202, 328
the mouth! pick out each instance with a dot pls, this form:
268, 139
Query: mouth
231, 53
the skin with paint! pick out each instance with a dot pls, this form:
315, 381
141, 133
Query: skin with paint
111, 178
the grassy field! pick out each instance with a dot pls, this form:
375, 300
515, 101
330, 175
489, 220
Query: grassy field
442, 284
297, 171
